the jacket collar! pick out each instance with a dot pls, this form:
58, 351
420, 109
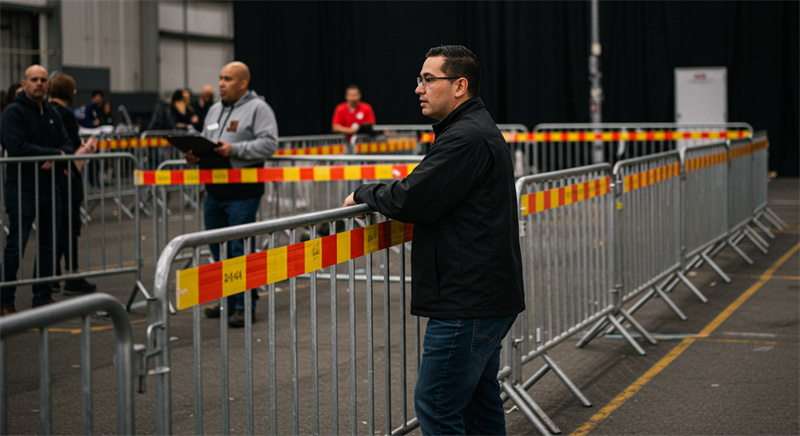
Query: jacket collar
468, 106
23, 99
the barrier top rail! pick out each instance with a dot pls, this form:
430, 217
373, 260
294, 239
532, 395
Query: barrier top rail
643, 159
81, 306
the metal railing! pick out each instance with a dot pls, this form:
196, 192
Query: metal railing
557, 146
41, 318
102, 248
380, 297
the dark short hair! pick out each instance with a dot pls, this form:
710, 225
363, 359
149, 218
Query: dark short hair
459, 61
177, 95
97, 91
352, 86
63, 87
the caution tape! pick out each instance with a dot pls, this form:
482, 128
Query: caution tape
121, 144
615, 136
390, 145
557, 197
701, 162
281, 174
229, 277
748, 149
313, 151
651, 177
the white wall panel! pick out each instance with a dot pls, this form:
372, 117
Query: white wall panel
212, 19
171, 65
205, 62
104, 34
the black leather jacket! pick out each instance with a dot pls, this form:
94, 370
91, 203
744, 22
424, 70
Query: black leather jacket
465, 258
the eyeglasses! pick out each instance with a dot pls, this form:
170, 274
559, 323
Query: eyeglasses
426, 80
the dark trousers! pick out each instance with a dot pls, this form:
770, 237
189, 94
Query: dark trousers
21, 211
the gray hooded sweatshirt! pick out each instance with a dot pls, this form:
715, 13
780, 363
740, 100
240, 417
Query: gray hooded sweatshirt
250, 127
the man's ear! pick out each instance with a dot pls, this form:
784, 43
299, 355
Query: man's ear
461, 87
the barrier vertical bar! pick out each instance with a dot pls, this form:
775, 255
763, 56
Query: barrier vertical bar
86, 373
45, 416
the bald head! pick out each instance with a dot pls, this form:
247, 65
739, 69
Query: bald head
35, 83
233, 82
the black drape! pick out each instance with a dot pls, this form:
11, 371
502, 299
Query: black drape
534, 58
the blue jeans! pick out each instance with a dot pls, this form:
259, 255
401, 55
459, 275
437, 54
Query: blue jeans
16, 242
225, 213
457, 390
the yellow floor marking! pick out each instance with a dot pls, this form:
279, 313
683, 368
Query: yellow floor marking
631, 390
94, 329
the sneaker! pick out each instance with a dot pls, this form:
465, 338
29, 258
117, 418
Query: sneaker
214, 311
44, 303
7, 310
78, 286
237, 318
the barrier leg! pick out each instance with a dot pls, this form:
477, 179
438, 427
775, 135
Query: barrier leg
757, 240
635, 324
692, 287
715, 267
589, 337
774, 219
763, 228
626, 335
567, 382
531, 410
733, 242
668, 301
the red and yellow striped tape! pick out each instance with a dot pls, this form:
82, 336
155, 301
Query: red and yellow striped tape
701, 162
588, 135
651, 177
748, 149
281, 174
557, 197
313, 151
220, 279
120, 144
390, 145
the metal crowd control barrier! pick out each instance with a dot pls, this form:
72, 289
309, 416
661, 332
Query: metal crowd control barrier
648, 236
426, 136
312, 144
566, 237
760, 147
748, 179
551, 147
104, 247
388, 347
40, 318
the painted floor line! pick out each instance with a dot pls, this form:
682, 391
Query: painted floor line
631, 390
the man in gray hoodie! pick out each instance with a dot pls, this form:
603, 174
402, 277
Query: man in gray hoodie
244, 126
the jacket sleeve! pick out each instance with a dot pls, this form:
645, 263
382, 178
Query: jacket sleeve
436, 185
265, 132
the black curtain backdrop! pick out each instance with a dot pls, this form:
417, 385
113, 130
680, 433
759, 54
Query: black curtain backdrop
534, 59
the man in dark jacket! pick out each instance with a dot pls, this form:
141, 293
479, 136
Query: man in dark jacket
466, 262
30, 127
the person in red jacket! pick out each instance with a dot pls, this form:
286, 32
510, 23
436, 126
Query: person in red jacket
466, 264
353, 113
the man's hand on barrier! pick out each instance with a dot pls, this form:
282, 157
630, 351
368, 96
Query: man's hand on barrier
49, 164
191, 159
350, 201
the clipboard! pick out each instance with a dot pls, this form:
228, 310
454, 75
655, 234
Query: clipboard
199, 145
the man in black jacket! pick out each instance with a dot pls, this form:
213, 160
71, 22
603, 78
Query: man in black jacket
466, 262
30, 127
